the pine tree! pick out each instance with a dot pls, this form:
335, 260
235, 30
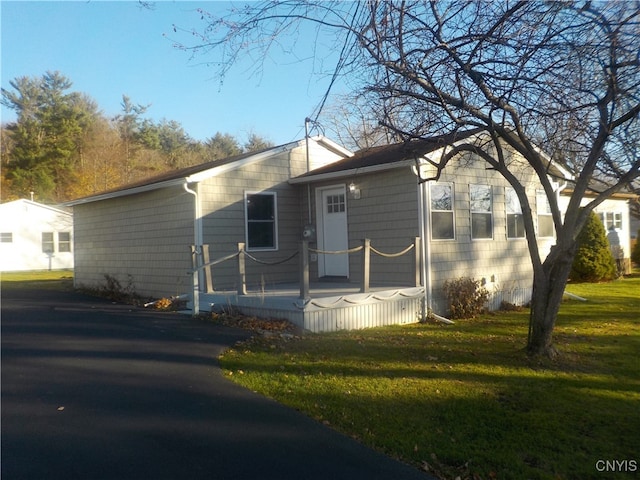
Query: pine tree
635, 253
593, 261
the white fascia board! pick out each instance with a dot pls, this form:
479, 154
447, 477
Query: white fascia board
352, 172
331, 145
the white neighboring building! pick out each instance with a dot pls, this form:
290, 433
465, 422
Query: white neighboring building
616, 219
34, 236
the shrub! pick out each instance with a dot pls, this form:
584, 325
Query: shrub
635, 253
593, 261
466, 297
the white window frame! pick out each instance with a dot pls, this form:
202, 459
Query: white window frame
482, 212
48, 243
64, 243
438, 211
513, 208
543, 211
274, 221
611, 220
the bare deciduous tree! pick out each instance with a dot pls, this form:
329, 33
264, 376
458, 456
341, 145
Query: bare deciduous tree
558, 77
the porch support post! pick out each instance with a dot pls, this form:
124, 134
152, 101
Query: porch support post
417, 250
304, 270
208, 280
366, 263
242, 274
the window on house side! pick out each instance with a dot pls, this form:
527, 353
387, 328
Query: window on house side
545, 219
481, 211
442, 223
47, 242
64, 242
515, 220
611, 220
261, 228
6, 237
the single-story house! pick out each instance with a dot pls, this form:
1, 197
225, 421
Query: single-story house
263, 222
253, 231
142, 234
34, 236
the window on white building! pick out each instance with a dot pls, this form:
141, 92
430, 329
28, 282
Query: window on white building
611, 220
64, 241
47, 242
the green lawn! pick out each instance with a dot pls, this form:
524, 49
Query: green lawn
54, 279
464, 400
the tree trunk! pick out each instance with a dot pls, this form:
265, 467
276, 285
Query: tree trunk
549, 283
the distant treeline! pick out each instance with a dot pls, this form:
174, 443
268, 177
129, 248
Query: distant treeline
62, 146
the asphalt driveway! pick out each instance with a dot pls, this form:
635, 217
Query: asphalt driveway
95, 390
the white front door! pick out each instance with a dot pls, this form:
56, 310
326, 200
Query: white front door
332, 236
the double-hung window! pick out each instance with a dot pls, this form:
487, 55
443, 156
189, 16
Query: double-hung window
481, 211
442, 218
545, 219
47, 242
64, 241
515, 220
611, 220
262, 221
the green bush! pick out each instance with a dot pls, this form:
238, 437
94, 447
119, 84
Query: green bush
466, 297
593, 261
635, 253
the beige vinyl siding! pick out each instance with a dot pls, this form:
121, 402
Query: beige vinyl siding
142, 239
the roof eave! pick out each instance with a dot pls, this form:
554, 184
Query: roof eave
352, 172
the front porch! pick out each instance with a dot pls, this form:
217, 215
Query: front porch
320, 306
329, 306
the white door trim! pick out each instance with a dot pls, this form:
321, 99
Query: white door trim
342, 236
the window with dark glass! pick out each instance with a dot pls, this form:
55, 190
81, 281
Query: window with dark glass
261, 218
515, 220
481, 211
336, 203
442, 224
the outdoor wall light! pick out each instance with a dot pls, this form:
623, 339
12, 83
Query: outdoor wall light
354, 191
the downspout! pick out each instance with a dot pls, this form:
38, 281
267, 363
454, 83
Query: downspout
197, 239
425, 227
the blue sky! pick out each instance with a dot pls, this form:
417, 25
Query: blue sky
108, 49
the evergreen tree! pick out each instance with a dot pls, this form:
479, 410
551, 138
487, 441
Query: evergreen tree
635, 253
46, 139
593, 261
